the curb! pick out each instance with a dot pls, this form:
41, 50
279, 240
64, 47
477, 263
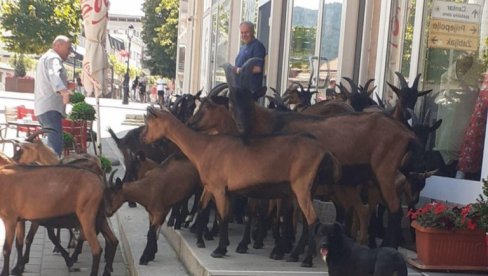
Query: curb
125, 247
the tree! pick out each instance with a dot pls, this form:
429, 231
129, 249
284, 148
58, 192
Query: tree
160, 31
32, 25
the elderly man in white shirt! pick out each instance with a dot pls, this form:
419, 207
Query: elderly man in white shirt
51, 93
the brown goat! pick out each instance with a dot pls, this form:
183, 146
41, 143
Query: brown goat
35, 152
371, 140
66, 190
263, 168
160, 188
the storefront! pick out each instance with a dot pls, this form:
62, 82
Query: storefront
314, 41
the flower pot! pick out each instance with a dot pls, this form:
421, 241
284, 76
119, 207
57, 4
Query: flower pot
442, 249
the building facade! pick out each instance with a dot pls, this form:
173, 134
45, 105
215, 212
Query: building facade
313, 41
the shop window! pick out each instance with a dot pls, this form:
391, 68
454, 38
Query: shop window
453, 64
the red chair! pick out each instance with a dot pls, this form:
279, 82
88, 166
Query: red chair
79, 130
22, 112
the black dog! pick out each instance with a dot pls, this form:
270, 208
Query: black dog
346, 258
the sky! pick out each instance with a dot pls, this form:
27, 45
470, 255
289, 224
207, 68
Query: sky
126, 7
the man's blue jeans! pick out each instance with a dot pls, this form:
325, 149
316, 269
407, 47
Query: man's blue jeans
53, 120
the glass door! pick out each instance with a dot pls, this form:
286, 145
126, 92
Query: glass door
315, 31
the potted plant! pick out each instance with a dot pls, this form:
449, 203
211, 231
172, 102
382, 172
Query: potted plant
80, 119
106, 164
450, 237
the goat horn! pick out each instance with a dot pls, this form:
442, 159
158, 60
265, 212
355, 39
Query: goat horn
111, 178
37, 133
380, 102
423, 93
395, 89
352, 84
366, 86
416, 82
250, 63
217, 89
344, 90
401, 78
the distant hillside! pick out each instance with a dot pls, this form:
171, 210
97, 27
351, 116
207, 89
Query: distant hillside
304, 17
331, 28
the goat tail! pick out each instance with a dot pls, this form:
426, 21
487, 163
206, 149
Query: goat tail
114, 136
204, 200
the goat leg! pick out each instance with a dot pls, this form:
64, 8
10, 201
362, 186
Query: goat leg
111, 243
151, 246
28, 241
54, 239
78, 248
7, 246
56, 249
246, 237
308, 260
19, 244
300, 247
393, 234
175, 212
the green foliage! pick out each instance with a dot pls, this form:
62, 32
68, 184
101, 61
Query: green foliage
29, 63
484, 57
481, 206
160, 31
31, 25
438, 215
68, 140
106, 164
82, 111
19, 66
120, 68
77, 97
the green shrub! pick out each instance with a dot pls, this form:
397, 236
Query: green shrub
68, 140
82, 111
106, 164
77, 97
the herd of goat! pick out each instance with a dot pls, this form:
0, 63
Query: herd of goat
351, 151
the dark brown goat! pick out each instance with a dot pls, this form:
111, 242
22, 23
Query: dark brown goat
66, 190
160, 188
276, 172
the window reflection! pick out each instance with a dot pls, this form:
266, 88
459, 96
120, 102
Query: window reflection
459, 98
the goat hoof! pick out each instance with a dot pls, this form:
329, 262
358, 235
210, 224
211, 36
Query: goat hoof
186, 224
241, 248
292, 258
277, 254
56, 250
258, 245
200, 244
17, 270
143, 261
170, 223
218, 253
307, 262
